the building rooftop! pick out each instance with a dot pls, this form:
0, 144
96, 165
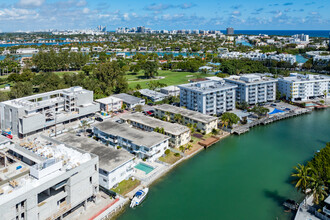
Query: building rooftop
208, 86
50, 160
127, 98
33, 101
153, 94
138, 137
170, 88
250, 79
197, 116
171, 128
108, 100
109, 158
296, 77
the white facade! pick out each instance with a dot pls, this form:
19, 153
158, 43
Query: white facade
208, 97
27, 51
170, 90
47, 188
298, 87
24, 116
253, 88
110, 104
143, 144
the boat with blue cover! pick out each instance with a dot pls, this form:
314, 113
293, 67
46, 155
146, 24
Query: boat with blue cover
139, 197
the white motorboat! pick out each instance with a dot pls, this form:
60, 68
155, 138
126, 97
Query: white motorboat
139, 197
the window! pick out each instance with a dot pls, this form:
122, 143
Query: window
95, 167
90, 180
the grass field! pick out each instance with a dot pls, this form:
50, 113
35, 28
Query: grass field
126, 186
171, 78
170, 158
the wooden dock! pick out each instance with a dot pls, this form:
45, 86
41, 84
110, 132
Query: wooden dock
264, 121
208, 142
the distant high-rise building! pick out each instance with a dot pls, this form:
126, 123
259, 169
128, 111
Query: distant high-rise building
141, 29
101, 28
230, 30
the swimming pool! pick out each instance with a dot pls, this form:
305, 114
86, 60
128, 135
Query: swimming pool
144, 167
310, 104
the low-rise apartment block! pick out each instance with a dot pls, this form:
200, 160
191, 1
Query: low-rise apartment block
42, 180
170, 90
179, 134
298, 87
144, 145
129, 100
110, 103
153, 95
203, 122
208, 97
115, 165
254, 88
27, 115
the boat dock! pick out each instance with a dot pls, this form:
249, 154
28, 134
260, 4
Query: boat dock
264, 121
208, 142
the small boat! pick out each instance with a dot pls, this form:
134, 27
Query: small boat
291, 204
139, 197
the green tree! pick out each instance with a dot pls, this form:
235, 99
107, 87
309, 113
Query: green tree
138, 108
21, 89
318, 187
150, 69
302, 178
229, 117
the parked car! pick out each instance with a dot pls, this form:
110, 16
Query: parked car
99, 119
273, 105
277, 101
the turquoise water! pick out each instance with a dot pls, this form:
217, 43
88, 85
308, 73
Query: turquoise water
144, 167
244, 43
300, 59
310, 104
241, 177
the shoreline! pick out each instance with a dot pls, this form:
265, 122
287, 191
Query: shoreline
158, 177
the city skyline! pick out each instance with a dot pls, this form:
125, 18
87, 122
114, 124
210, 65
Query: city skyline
31, 15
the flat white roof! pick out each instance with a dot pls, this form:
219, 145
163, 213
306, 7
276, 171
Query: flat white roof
108, 100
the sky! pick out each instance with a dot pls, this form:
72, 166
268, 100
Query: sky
33, 15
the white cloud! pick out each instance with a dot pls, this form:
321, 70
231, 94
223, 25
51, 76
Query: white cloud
30, 3
86, 10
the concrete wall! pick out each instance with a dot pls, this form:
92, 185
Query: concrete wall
78, 189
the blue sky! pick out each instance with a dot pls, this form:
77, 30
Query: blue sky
180, 14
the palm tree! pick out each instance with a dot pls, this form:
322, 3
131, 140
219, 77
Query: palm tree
182, 148
318, 188
302, 178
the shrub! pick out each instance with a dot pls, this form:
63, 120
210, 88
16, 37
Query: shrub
118, 147
177, 154
168, 151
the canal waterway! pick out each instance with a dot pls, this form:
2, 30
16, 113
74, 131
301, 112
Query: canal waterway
240, 177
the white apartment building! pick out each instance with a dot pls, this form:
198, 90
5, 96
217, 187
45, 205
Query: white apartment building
27, 51
43, 180
115, 165
253, 88
179, 134
143, 144
110, 103
208, 97
170, 90
27, 115
205, 123
298, 87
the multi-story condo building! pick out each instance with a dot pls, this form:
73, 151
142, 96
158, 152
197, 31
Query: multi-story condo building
43, 180
298, 87
27, 115
143, 144
179, 134
115, 165
211, 97
205, 123
254, 88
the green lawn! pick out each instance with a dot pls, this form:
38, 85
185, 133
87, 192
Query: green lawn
171, 78
61, 73
170, 158
126, 186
